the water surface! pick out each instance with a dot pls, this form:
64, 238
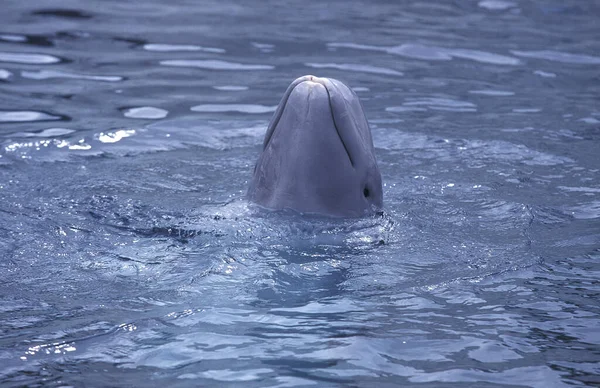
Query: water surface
129, 256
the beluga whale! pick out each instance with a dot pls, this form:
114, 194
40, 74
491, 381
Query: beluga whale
318, 156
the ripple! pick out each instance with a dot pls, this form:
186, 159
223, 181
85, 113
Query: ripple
145, 112
62, 13
228, 375
508, 152
591, 368
580, 189
407, 50
264, 47
533, 376
230, 88
496, 151
484, 57
496, 5
162, 135
5, 74
495, 93
558, 56
418, 51
13, 38
434, 103
590, 120
26, 116
402, 109
141, 224
544, 74
211, 64
241, 108
26, 58
438, 102
191, 131
355, 67
49, 132
526, 110
181, 47
49, 74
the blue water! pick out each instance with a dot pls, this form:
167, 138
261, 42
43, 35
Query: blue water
129, 256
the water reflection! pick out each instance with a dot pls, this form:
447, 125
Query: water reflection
241, 108
49, 74
231, 88
429, 53
5, 74
145, 112
26, 115
559, 57
180, 47
212, 64
27, 58
48, 132
493, 93
355, 67
496, 5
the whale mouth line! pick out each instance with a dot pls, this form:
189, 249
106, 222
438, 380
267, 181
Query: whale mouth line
337, 130
283, 103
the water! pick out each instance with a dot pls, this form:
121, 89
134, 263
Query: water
129, 257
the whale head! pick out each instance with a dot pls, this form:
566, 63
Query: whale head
318, 155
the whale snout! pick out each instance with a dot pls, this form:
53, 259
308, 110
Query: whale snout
318, 155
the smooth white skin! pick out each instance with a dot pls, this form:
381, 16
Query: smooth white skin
318, 155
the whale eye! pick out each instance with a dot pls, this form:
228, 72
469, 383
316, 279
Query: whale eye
366, 192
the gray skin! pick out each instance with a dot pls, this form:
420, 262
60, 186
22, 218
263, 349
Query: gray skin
318, 155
